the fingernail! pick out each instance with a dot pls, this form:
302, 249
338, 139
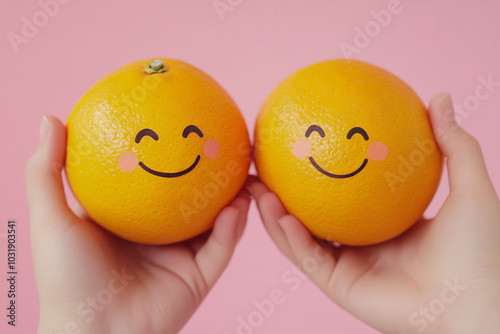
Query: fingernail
44, 129
446, 105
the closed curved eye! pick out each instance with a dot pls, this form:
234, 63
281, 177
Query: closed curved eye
359, 130
192, 128
315, 128
145, 132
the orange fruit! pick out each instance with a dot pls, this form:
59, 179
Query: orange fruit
155, 150
348, 148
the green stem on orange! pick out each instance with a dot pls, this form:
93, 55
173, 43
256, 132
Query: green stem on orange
156, 66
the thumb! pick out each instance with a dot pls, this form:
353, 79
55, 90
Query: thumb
466, 167
44, 186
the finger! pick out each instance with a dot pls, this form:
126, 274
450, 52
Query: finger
466, 167
308, 254
334, 248
80, 212
271, 210
255, 186
197, 242
214, 256
242, 203
44, 184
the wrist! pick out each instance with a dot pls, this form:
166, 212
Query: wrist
477, 314
68, 327
58, 322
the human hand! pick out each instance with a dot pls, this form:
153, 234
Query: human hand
441, 276
93, 281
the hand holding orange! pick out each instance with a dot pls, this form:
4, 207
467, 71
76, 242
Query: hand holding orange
349, 150
155, 150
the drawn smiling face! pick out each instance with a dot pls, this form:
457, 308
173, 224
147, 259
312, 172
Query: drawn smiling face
128, 161
349, 150
377, 151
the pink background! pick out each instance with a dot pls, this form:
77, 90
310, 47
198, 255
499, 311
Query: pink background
433, 46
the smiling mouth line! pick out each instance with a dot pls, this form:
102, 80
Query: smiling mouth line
177, 174
338, 176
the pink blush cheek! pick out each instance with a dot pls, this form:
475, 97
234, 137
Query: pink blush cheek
211, 148
377, 151
127, 161
301, 148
